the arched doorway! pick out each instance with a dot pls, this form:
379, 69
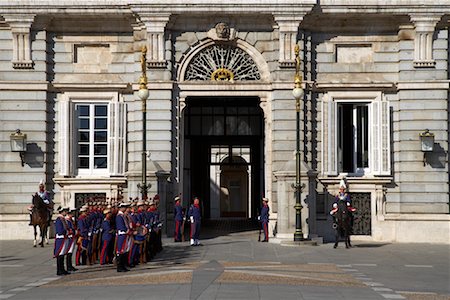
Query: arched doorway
234, 193
223, 155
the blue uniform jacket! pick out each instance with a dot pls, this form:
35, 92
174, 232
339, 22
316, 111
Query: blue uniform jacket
178, 212
194, 211
343, 196
106, 230
82, 227
265, 214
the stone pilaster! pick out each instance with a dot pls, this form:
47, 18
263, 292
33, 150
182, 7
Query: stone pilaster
288, 31
155, 27
423, 41
20, 29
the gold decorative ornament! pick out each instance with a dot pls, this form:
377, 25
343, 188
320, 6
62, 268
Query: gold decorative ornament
222, 74
143, 78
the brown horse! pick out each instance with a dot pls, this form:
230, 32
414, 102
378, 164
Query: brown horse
40, 217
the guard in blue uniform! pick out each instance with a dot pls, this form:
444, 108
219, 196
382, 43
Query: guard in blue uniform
61, 242
122, 231
194, 215
71, 240
83, 238
178, 213
107, 238
264, 219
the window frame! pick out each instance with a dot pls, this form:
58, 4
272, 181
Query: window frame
91, 170
357, 171
379, 132
67, 139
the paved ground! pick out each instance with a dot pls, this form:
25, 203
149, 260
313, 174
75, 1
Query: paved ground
236, 266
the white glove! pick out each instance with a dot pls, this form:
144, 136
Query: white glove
259, 218
335, 205
192, 219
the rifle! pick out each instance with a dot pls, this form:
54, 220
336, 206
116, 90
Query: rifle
182, 227
260, 225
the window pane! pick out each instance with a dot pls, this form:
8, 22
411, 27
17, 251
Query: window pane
195, 125
100, 136
83, 149
100, 162
100, 149
347, 138
218, 110
207, 128
101, 123
255, 125
101, 110
231, 125
83, 110
243, 128
83, 123
231, 110
218, 125
83, 136
362, 137
196, 110
83, 162
207, 110
243, 110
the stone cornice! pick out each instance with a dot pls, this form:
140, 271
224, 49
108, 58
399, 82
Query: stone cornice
424, 85
158, 6
392, 7
24, 86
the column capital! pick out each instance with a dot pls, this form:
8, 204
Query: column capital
155, 26
288, 30
20, 28
424, 25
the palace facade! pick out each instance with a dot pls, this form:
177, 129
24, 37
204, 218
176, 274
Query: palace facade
221, 117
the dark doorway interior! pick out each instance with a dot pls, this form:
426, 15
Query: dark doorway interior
224, 138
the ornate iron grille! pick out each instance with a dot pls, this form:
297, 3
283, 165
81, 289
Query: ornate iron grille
222, 63
362, 222
82, 198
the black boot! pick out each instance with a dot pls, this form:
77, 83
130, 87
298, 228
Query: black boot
70, 267
63, 270
124, 258
58, 266
83, 257
31, 220
120, 263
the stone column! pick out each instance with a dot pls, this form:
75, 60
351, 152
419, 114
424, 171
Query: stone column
155, 27
20, 29
286, 199
288, 31
423, 41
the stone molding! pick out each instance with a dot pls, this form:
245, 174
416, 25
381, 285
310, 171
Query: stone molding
155, 26
20, 28
288, 31
423, 40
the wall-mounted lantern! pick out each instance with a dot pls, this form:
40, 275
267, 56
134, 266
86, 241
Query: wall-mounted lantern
19, 144
427, 143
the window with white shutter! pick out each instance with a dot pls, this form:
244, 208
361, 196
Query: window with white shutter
92, 134
355, 134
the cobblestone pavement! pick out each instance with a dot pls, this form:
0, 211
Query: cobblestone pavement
236, 266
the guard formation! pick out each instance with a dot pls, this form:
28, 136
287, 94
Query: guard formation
125, 233
107, 232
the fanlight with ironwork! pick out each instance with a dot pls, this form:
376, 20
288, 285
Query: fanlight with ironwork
222, 63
